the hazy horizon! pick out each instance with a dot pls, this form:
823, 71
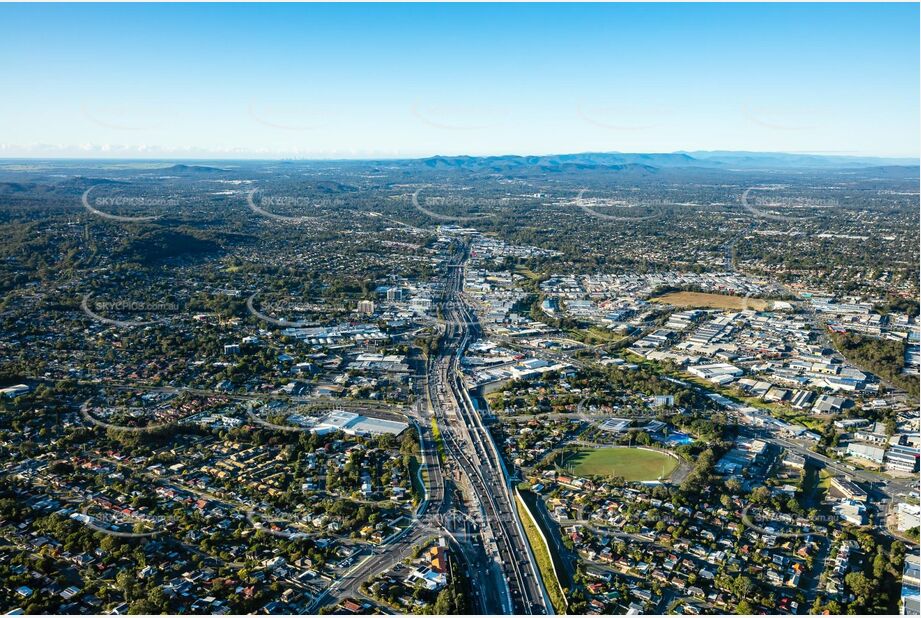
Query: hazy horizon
894, 160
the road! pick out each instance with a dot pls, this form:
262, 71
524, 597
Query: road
434, 515
395, 550
882, 485
469, 445
365, 405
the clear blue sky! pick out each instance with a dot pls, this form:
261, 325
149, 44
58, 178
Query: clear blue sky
413, 80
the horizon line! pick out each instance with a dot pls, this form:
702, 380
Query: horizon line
253, 156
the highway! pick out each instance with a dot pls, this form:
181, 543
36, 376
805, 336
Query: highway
430, 518
468, 443
394, 550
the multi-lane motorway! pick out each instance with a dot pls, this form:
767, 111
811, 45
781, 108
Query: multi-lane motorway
496, 551
469, 444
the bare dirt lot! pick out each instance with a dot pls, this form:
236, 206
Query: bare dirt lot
702, 300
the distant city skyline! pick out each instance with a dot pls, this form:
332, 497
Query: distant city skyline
394, 81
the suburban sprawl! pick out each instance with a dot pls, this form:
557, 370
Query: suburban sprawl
584, 384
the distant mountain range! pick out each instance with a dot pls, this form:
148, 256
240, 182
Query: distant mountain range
638, 165
777, 160
650, 162
181, 168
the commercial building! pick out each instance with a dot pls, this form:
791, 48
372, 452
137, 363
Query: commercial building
873, 435
355, 424
909, 516
421, 304
366, 307
902, 458
720, 373
866, 451
849, 489
852, 512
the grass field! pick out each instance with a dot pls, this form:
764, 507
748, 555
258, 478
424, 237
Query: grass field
632, 464
543, 559
439, 445
702, 300
527, 272
594, 335
418, 489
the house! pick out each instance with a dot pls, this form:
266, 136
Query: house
438, 558
911, 585
430, 578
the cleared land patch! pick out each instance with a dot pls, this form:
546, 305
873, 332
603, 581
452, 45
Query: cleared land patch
703, 300
633, 464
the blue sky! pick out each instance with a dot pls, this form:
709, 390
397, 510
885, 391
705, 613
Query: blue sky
414, 80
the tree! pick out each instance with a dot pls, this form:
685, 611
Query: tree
859, 584
142, 607
444, 604
816, 606
742, 586
760, 494
744, 608
879, 563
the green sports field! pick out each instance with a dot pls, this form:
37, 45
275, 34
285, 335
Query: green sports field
632, 464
